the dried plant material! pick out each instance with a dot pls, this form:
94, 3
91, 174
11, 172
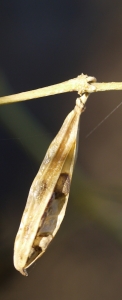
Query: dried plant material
81, 84
48, 195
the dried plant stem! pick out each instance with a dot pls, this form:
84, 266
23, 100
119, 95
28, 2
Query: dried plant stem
80, 84
107, 86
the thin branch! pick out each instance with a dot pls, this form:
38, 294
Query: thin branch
80, 84
107, 86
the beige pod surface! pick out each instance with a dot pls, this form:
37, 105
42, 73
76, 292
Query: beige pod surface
48, 195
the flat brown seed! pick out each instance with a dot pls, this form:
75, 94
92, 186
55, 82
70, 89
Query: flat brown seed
62, 185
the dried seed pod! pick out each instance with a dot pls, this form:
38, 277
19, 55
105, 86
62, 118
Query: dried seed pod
48, 195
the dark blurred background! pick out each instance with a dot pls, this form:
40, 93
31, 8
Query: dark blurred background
44, 43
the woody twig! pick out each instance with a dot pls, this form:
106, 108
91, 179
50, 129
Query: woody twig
80, 84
